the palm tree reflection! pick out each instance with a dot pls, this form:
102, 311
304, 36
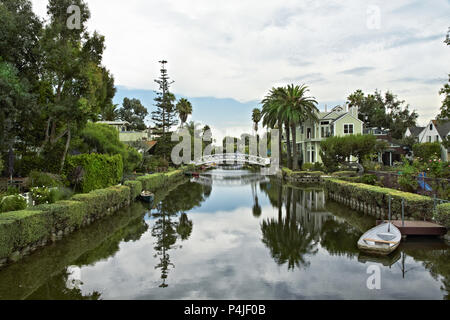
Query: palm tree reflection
288, 241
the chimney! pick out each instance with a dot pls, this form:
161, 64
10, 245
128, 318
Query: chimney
326, 108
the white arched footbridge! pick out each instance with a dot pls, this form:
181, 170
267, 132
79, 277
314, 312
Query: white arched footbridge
232, 158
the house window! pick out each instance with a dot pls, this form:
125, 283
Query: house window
436, 138
348, 128
325, 132
429, 138
431, 126
308, 133
301, 129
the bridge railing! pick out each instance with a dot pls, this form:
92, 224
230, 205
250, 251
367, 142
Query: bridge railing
232, 157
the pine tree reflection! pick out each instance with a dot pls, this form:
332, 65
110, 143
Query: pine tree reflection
167, 229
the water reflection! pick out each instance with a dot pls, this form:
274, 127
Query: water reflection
256, 239
167, 229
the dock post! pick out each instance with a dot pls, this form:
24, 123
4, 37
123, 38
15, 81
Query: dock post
403, 212
389, 214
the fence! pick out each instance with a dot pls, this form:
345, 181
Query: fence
390, 180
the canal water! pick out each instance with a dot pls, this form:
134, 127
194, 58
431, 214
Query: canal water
229, 235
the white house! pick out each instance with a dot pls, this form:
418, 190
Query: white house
436, 132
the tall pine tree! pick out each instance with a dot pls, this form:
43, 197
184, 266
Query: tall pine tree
165, 115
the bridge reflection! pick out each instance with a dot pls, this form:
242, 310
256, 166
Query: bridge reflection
227, 180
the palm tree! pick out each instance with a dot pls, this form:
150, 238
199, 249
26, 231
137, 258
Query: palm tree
256, 117
184, 109
295, 108
271, 117
110, 112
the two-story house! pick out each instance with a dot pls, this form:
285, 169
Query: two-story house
337, 122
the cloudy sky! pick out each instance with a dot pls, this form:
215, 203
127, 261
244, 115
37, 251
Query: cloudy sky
228, 54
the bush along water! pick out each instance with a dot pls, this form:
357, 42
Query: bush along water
93, 171
376, 199
23, 231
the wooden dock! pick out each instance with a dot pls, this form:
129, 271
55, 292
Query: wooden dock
418, 228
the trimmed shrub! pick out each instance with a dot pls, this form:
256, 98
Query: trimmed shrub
12, 203
64, 214
442, 215
369, 179
288, 173
105, 139
152, 182
135, 188
345, 174
22, 228
42, 179
417, 206
99, 171
98, 201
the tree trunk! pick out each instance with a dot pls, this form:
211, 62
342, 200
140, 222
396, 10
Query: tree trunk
280, 143
294, 146
288, 204
294, 205
69, 136
288, 145
280, 202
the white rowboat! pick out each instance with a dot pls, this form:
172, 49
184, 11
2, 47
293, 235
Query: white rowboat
381, 240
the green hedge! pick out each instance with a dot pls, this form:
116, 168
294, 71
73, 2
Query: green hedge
100, 171
63, 214
442, 215
299, 174
135, 188
152, 182
98, 201
416, 206
345, 174
12, 203
21, 228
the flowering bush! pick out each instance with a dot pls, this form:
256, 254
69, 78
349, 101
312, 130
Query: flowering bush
40, 195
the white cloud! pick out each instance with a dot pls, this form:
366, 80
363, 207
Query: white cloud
240, 49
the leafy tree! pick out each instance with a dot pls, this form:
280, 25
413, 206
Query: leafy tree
445, 108
19, 37
72, 69
184, 109
336, 150
104, 139
20, 66
385, 111
14, 94
133, 112
427, 150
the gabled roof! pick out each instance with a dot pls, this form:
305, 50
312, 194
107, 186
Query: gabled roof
442, 127
415, 131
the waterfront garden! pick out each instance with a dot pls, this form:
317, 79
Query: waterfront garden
69, 186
